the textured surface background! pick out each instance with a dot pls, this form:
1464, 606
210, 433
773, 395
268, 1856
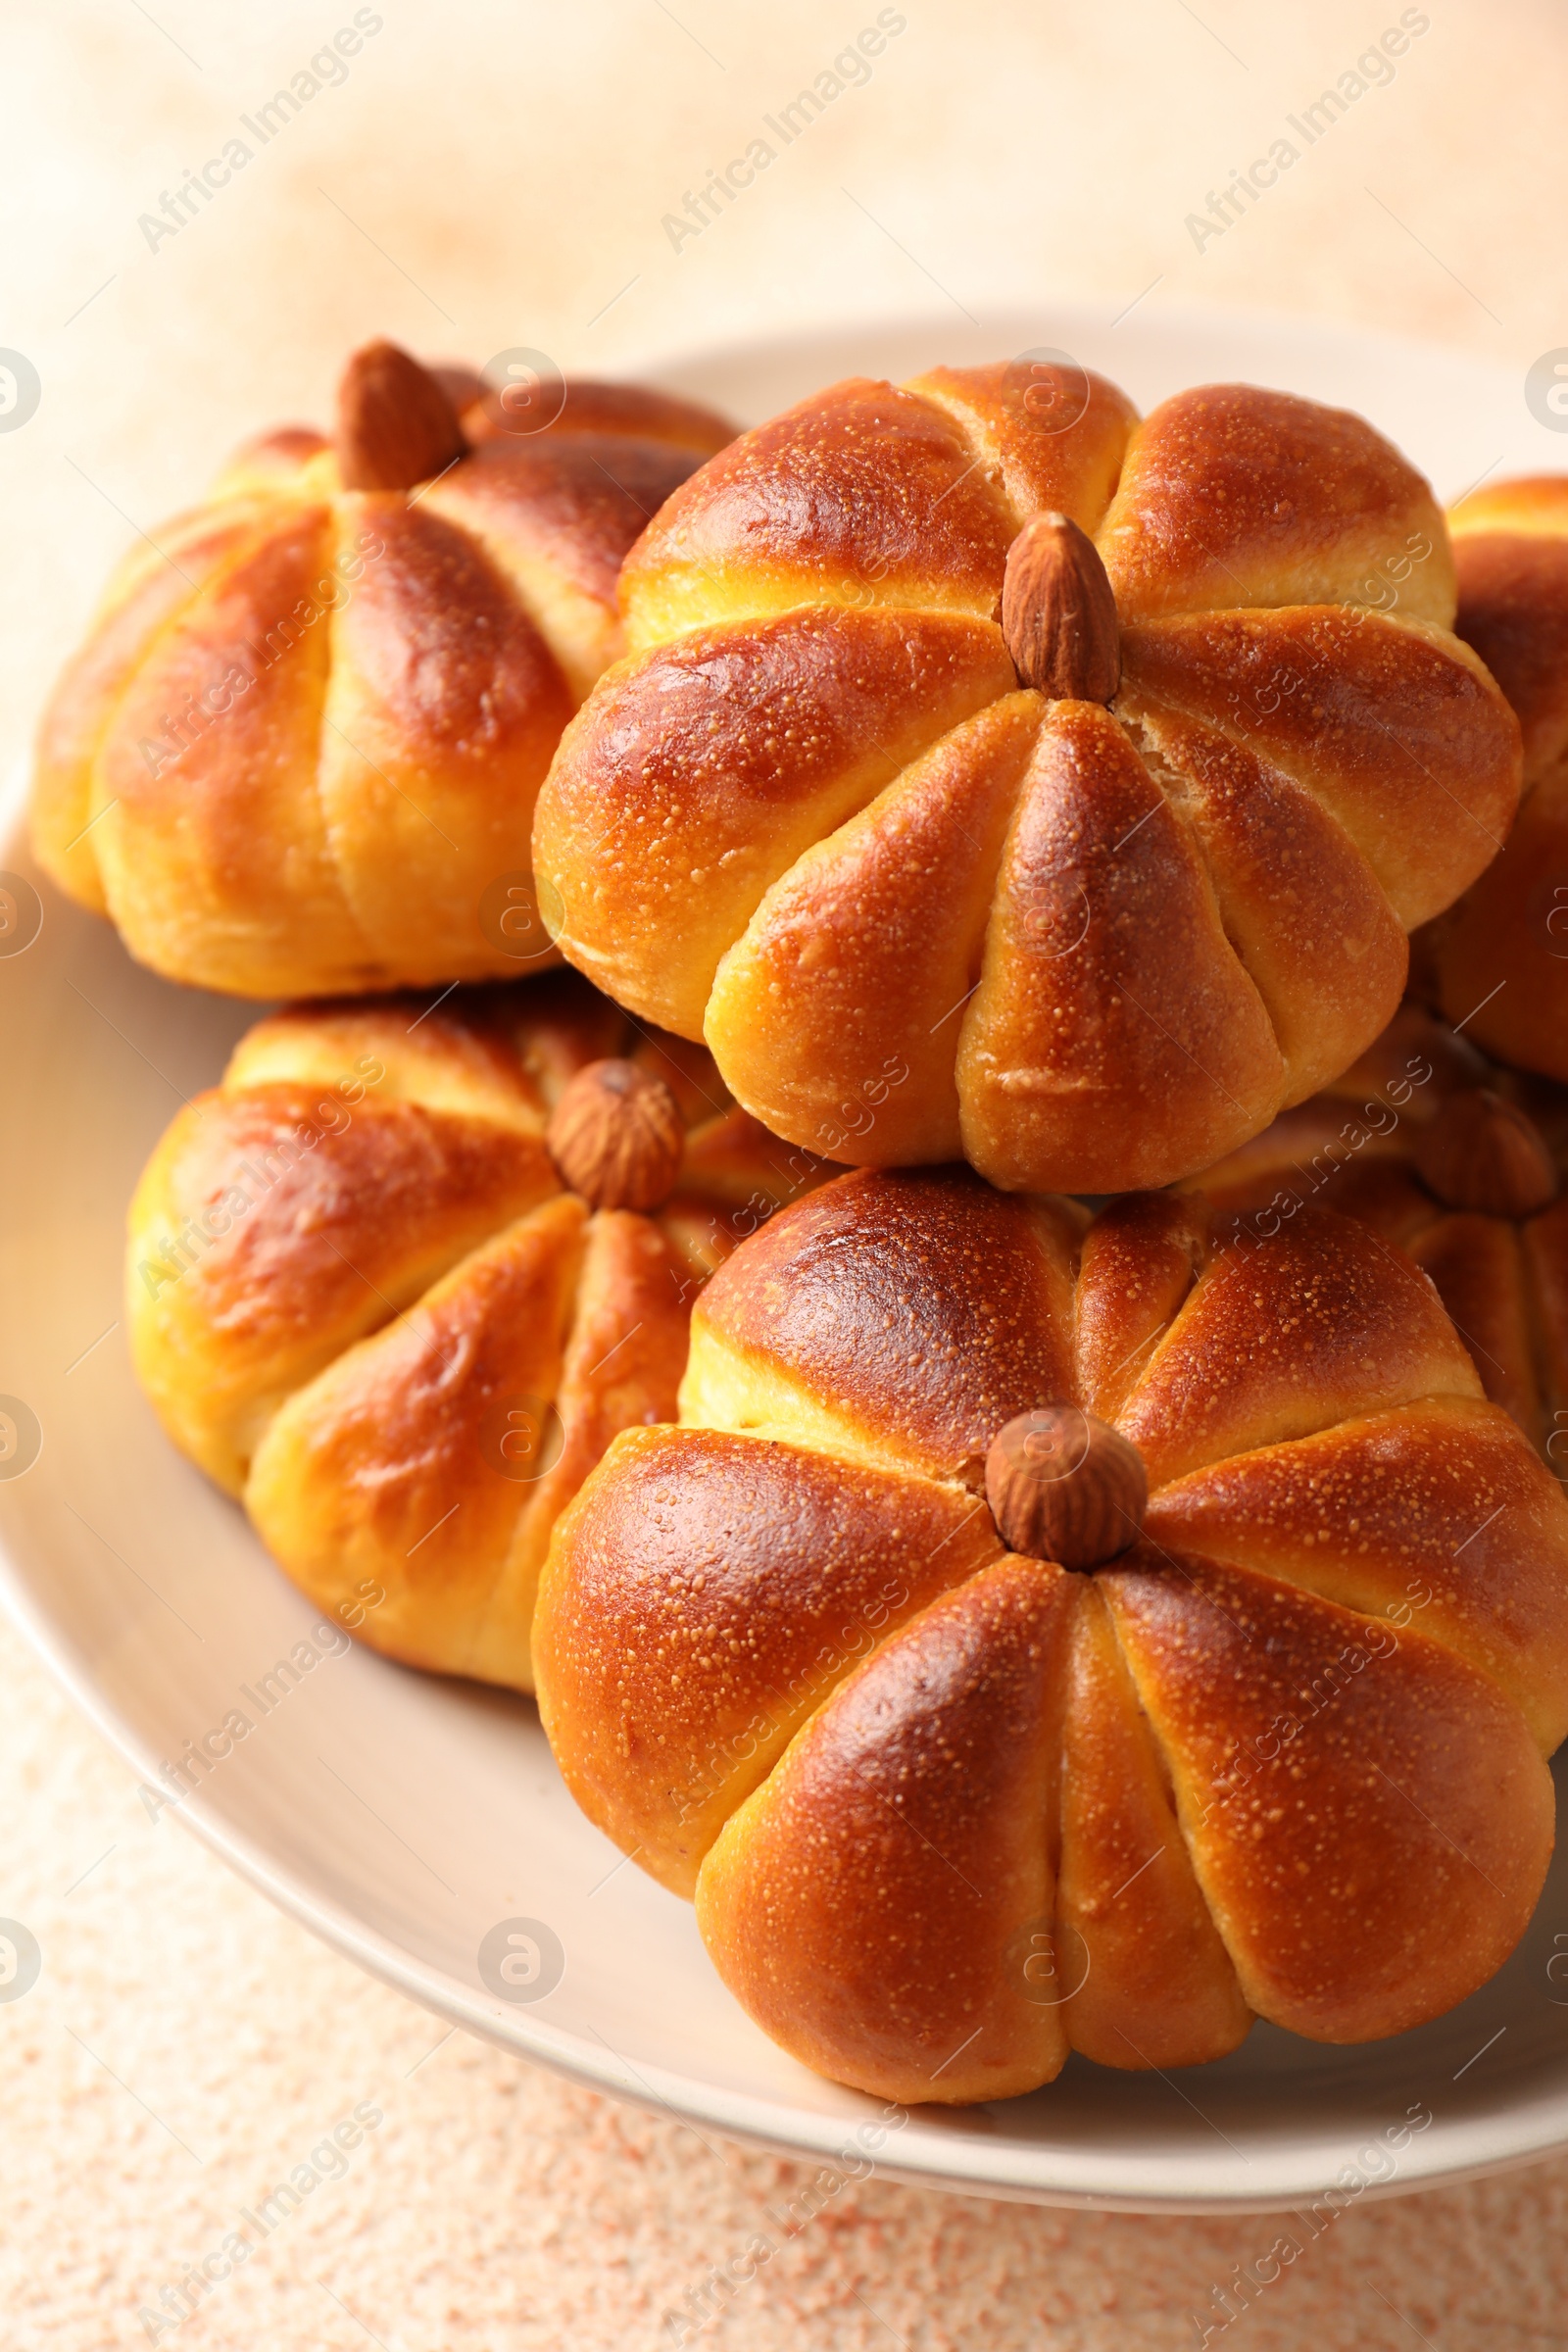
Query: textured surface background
490, 175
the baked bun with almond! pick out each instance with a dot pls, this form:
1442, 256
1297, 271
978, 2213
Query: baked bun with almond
1273, 1744
977, 731
298, 749
1464, 1164
1498, 961
398, 1280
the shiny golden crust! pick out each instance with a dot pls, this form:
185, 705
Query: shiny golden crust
1452, 1527
1528, 505
1355, 1146
144, 598
885, 488
906, 1348
1499, 957
1371, 1866
324, 1222
811, 818
1513, 609
722, 1587
392, 1453
917, 869
1393, 728
359, 1297
1229, 491
302, 741
1273, 852
1016, 417
1158, 1987
944, 1745
1113, 1026
949, 1814
1324, 1324
558, 516
682, 752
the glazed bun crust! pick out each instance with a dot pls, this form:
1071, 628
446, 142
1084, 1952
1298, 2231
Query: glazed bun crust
304, 735
708, 1560
1228, 489
919, 911
1345, 1853
945, 1743
948, 1813
1358, 1148
891, 1345
1499, 957
359, 1298
692, 737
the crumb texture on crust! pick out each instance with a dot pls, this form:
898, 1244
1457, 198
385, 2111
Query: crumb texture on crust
949, 1814
918, 913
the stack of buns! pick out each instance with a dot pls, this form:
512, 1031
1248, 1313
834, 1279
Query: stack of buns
1022, 1628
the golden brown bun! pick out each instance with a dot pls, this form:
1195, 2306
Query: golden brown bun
359, 1297
1353, 1147
919, 912
620, 412
1498, 960
298, 749
948, 1813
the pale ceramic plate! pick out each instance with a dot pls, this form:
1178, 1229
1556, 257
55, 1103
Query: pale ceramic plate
406, 1819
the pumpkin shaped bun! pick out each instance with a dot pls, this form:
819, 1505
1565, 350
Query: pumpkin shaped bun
1089, 772
1464, 1164
1498, 961
397, 1281
298, 749
1254, 1725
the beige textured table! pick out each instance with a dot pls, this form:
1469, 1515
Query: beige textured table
479, 176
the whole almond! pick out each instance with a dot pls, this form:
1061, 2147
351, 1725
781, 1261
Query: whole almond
1065, 1487
396, 425
1482, 1152
618, 1137
1058, 613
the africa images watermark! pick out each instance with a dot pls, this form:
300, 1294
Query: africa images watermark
1373, 69
850, 70
326, 68
729, 1227
1377, 1117
1378, 2160
328, 2160
710, 2300
182, 1776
